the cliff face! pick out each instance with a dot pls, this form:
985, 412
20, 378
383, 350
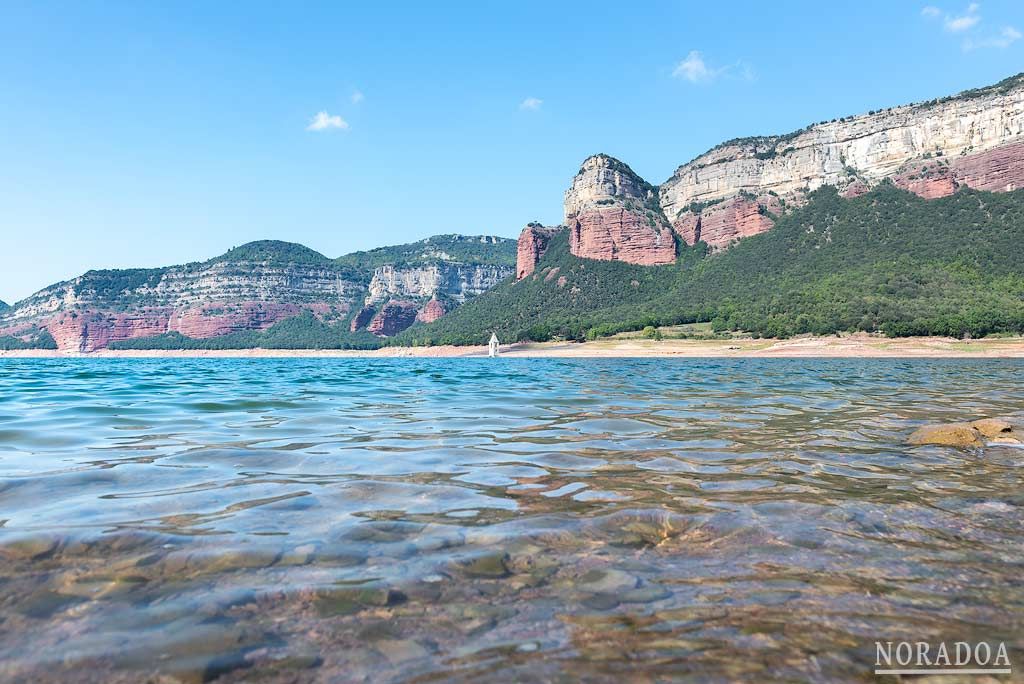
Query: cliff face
198, 300
255, 286
455, 281
973, 139
533, 242
398, 296
393, 318
613, 214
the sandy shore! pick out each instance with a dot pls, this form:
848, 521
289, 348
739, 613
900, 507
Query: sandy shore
851, 346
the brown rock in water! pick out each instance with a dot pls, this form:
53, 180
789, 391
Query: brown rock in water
992, 427
952, 434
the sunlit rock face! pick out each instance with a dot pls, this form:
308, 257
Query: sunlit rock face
197, 300
972, 139
430, 289
723, 223
613, 215
533, 243
393, 318
255, 286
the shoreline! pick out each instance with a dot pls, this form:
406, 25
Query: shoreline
851, 346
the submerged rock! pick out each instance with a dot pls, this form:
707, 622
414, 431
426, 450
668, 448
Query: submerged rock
953, 434
973, 434
992, 427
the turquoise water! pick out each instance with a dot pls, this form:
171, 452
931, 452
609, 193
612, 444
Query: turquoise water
509, 519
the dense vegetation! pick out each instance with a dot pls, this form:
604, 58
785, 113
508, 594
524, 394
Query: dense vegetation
42, 339
274, 252
886, 261
461, 248
108, 285
301, 332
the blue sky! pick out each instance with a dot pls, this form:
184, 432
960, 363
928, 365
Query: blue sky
152, 133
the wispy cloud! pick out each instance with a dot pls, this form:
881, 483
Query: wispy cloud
959, 24
696, 70
1004, 39
969, 24
531, 104
357, 96
327, 122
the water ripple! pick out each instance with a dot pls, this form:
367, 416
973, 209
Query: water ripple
390, 520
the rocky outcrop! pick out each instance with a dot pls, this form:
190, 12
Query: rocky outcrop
974, 434
533, 243
723, 223
978, 133
927, 179
613, 215
197, 300
1000, 169
362, 318
393, 318
431, 311
395, 290
456, 281
254, 286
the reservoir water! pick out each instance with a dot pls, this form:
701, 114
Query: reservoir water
308, 520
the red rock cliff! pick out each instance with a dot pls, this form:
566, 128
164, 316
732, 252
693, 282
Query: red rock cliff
613, 215
533, 242
393, 318
721, 224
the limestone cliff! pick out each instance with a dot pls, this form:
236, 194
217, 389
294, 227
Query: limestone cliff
393, 289
255, 286
930, 148
455, 281
613, 214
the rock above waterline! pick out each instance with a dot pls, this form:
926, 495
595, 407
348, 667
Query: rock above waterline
992, 427
962, 435
953, 434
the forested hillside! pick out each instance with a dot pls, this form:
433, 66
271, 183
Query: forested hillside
470, 249
885, 261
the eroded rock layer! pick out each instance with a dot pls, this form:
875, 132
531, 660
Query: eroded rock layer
976, 133
393, 318
613, 215
253, 287
533, 243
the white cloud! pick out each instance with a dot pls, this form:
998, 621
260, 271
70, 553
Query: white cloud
931, 12
325, 122
530, 104
1006, 37
965, 21
694, 70
357, 97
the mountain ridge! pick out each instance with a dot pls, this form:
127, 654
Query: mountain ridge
886, 261
737, 189
698, 247
254, 287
